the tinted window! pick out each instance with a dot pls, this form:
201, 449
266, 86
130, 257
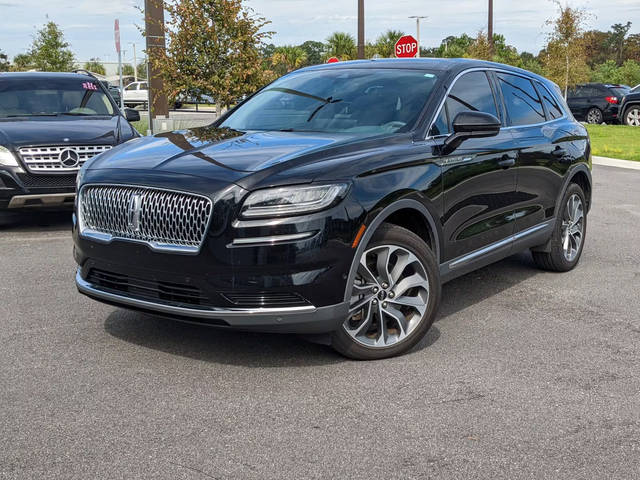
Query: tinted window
470, 92
550, 103
132, 86
619, 92
338, 100
38, 96
522, 102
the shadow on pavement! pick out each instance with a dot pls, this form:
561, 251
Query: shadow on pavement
36, 221
278, 350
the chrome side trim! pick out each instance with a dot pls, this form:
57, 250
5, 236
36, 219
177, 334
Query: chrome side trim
217, 313
271, 240
50, 199
460, 261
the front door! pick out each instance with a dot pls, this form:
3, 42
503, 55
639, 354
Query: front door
479, 185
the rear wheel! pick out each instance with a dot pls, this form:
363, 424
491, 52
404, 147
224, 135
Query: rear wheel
394, 298
632, 116
568, 236
594, 115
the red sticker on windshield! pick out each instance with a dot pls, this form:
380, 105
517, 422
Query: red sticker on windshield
89, 86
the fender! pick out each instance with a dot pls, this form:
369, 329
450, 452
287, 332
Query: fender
581, 167
377, 221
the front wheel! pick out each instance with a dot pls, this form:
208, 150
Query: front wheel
569, 233
394, 297
632, 116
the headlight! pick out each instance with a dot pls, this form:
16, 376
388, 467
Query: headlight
6, 158
294, 200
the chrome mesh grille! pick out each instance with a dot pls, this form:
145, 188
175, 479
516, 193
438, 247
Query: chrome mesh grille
165, 220
47, 158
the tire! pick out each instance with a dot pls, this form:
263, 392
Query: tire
407, 316
557, 259
594, 116
632, 116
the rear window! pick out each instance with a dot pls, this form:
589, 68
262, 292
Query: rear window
41, 96
521, 99
620, 91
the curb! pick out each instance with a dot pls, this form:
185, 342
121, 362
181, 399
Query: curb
614, 162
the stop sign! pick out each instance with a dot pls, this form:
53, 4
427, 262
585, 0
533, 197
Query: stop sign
406, 47
333, 60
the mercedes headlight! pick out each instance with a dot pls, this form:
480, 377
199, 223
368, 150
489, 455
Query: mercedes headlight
292, 200
6, 158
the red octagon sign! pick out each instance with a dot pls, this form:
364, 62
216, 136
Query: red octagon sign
406, 47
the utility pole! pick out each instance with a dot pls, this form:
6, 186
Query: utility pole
417, 17
135, 62
154, 34
490, 29
361, 29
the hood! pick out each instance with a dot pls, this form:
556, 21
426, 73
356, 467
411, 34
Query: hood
19, 132
212, 152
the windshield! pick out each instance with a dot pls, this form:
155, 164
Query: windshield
338, 100
620, 91
39, 96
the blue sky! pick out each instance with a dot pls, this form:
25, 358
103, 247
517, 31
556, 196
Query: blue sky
88, 25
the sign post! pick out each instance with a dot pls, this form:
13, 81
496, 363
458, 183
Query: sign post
116, 31
406, 47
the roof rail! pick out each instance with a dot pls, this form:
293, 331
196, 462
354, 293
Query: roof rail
86, 72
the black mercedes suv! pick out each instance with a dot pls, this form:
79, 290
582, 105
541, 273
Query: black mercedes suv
338, 199
50, 124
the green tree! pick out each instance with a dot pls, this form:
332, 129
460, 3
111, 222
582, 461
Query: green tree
454, 47
564, 57
341, 45
315, 51
4, 62
596, 44
22, 62
288, 58
213, 48
606, 72
632, 47
95, 66
142, 69
629, 73
386, 42
127, 70
616, 40
50, 52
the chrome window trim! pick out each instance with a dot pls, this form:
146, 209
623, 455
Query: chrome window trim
106, 238
486, 69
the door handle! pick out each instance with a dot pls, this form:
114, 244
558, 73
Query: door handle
507, 161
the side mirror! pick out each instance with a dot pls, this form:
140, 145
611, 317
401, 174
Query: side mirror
131, 115
470, 124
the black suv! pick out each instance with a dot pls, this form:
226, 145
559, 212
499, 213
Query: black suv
630, 108
338, 199
596, 102
50, 125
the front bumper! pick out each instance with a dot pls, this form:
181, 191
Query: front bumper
300, 319
20, 190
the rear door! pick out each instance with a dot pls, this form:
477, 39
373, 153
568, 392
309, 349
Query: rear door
479, 185
536, 122
578, 101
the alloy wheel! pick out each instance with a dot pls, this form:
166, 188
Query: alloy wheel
389, 297
594, 116
572, 227
633, 117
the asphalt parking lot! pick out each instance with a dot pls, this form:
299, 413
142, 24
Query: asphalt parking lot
525, 374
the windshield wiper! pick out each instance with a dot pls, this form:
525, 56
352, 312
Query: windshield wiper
30, 115
327, 101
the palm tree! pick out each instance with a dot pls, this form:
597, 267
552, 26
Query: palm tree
341, 45
386, 43
288, 58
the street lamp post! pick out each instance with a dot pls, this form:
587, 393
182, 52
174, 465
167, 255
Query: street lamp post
490, 26
418, 17
360, 29
135, 62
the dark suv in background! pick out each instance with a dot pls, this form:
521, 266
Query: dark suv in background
596, 102
630, 108
50, 125
338, 199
